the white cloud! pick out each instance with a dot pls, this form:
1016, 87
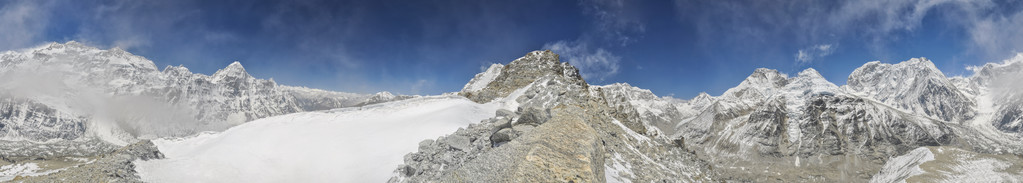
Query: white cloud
615, 24
809, 54
998, 36
992, 28
592, 63
22, 23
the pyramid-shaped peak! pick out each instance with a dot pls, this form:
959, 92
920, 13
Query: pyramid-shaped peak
767, 73
764, 76
235, 65
234, 70
701, 96
921, 62
810, 72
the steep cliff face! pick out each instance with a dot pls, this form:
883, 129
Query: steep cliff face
915, 85
71, 91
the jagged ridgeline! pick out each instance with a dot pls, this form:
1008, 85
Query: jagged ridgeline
907, 121
892, 122
81, 100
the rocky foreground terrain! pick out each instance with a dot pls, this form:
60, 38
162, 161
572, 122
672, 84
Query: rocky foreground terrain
544, 123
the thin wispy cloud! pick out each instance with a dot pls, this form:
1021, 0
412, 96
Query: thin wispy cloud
614, 25
998, 35
755, 25
595, 64
807, 55
22, 22
614, 21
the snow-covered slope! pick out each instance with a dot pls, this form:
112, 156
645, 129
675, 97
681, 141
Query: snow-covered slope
949, 164
483, 79
70, 91
346, 145
915, 85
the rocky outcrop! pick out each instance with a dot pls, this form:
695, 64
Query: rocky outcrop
563, 149
522, 72
116, 166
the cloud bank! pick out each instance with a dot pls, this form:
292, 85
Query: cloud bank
761, 25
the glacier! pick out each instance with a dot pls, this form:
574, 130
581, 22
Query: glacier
361, 144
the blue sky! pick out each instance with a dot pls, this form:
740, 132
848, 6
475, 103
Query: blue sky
677, 48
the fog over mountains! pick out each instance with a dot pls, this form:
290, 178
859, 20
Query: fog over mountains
74, 112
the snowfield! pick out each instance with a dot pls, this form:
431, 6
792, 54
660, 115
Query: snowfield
358, 144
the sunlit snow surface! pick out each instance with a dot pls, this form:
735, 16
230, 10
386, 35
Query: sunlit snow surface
346, 145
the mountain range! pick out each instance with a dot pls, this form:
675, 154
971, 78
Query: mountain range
63, 94
534, 119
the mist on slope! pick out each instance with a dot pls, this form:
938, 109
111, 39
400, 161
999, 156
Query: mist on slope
118, 119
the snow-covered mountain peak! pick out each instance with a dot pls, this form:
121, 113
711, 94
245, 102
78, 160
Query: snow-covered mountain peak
761, 83
921, 62
70, 45
915, 85
233, 71
234, 67
80, 55
384, 94
910, 70
876, 78
809, 72
984, 75
766, 77
702, 96
810, 81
